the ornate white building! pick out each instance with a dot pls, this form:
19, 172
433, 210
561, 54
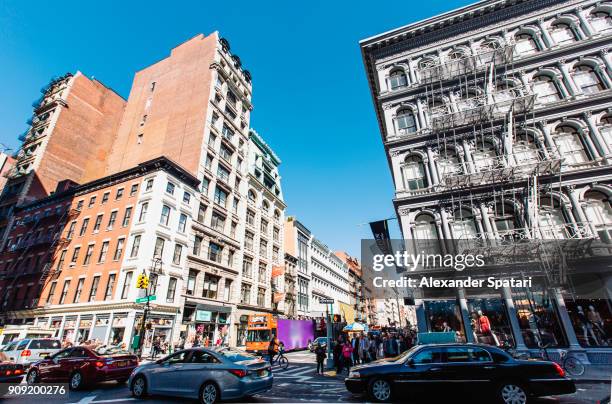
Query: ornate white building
496, 120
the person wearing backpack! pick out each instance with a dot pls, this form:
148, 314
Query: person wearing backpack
273, 348
321, 355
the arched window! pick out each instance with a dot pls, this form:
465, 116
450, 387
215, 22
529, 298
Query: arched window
546, 89
464, 224
601, 21
485, 156
587, 79
551, 220
449, 163
599, 213
398, 79
252, 196
277, 215
414, 173
470, 100
525, 44
605, 128
563, 33
569, 143
265, 206
505, 220
406, 121
426, 234
525, 150
504, 96
437, 107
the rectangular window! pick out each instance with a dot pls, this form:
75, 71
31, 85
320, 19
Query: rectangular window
186, 197
75, 255
178, 252
211, 140
149, 185
103, 252
133, 189
261, 297
94, 289
182, 223
84, 227
143, 211
225, 153
88, 253
126, 285
119, 249
201, 213
98, 223
110, 285
64, 292
191, 281
51, 292
250, 217
214, 252
126, 216
171, 290
135, 246
112, 219
79, 206
119, 194
263, 247
197, 245
248, 241
263, 226
227, 292
245, 293
211, 284
247, 267
79, 290
105, 197
165, 215
276, 234
60, 262
152, 284
223, 173
262, 272
71, 230
159, 247
92, 201
220, 196
204, 186
227, 133
208, 162
217, 222
170, 188
233, 228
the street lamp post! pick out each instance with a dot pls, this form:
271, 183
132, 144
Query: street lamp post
155, 262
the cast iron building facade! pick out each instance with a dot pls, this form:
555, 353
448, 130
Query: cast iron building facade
496, 124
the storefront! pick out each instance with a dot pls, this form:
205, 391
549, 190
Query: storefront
208, 324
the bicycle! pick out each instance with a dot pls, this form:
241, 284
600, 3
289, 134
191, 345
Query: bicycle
571, 364
281, 361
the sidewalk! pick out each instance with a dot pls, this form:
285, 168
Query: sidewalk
595, 374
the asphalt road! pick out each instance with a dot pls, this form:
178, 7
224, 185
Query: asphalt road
298, 383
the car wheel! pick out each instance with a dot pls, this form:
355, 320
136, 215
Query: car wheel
76, 381
512, 393
33, 377
209, 393
380, 390
139, 387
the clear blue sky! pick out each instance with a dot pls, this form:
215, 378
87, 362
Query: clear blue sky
310, 93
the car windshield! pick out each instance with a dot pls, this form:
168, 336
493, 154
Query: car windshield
404, 355
235, 356
111, 350
45, 344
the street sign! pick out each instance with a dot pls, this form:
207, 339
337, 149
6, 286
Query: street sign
326, 301
146, 299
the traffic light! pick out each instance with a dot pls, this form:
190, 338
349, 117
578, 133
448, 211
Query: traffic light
142, 282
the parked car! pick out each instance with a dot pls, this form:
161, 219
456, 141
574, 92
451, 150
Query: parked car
208, 375
80, 367
313, 344
478, 370
27, 351
11, 372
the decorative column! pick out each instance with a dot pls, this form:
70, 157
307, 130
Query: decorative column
465, 316
586, 24
606, 59
484, 211
423, 122
445, 227
566, 323
577, 207
453, 102
584, 132
468, 156
514, 324
548, 40
571, 86
548, 139
601, 143
432, 166
601, 70
411, 72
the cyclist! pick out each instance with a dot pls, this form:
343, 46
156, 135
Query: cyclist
273, 348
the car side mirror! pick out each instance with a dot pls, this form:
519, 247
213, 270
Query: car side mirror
410, 362
47, 357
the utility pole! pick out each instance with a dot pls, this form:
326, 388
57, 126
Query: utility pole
144, 319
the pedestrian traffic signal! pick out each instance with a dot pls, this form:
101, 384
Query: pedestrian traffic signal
142, 282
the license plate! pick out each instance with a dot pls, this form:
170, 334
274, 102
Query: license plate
120, 364
262, 373
43, 354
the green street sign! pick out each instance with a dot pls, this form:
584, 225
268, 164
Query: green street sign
146, 299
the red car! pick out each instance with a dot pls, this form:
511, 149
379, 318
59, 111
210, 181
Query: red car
80, 366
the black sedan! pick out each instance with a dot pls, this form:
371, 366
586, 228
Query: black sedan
11, 372
478, 371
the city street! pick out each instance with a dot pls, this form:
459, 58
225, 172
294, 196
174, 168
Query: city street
298, 383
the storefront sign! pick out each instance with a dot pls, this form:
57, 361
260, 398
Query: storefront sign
203, 315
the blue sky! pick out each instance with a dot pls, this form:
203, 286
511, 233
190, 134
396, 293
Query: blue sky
310, 93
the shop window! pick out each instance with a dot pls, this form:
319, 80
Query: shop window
489, 321
590, 310
444, 316
538, 317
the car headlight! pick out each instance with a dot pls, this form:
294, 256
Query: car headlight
354, 375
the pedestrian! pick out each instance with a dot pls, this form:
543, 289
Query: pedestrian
338, 355
364, 345
355, 344
347, 353
321, 355
156, 347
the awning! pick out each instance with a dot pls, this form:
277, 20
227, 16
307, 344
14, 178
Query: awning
212, 307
